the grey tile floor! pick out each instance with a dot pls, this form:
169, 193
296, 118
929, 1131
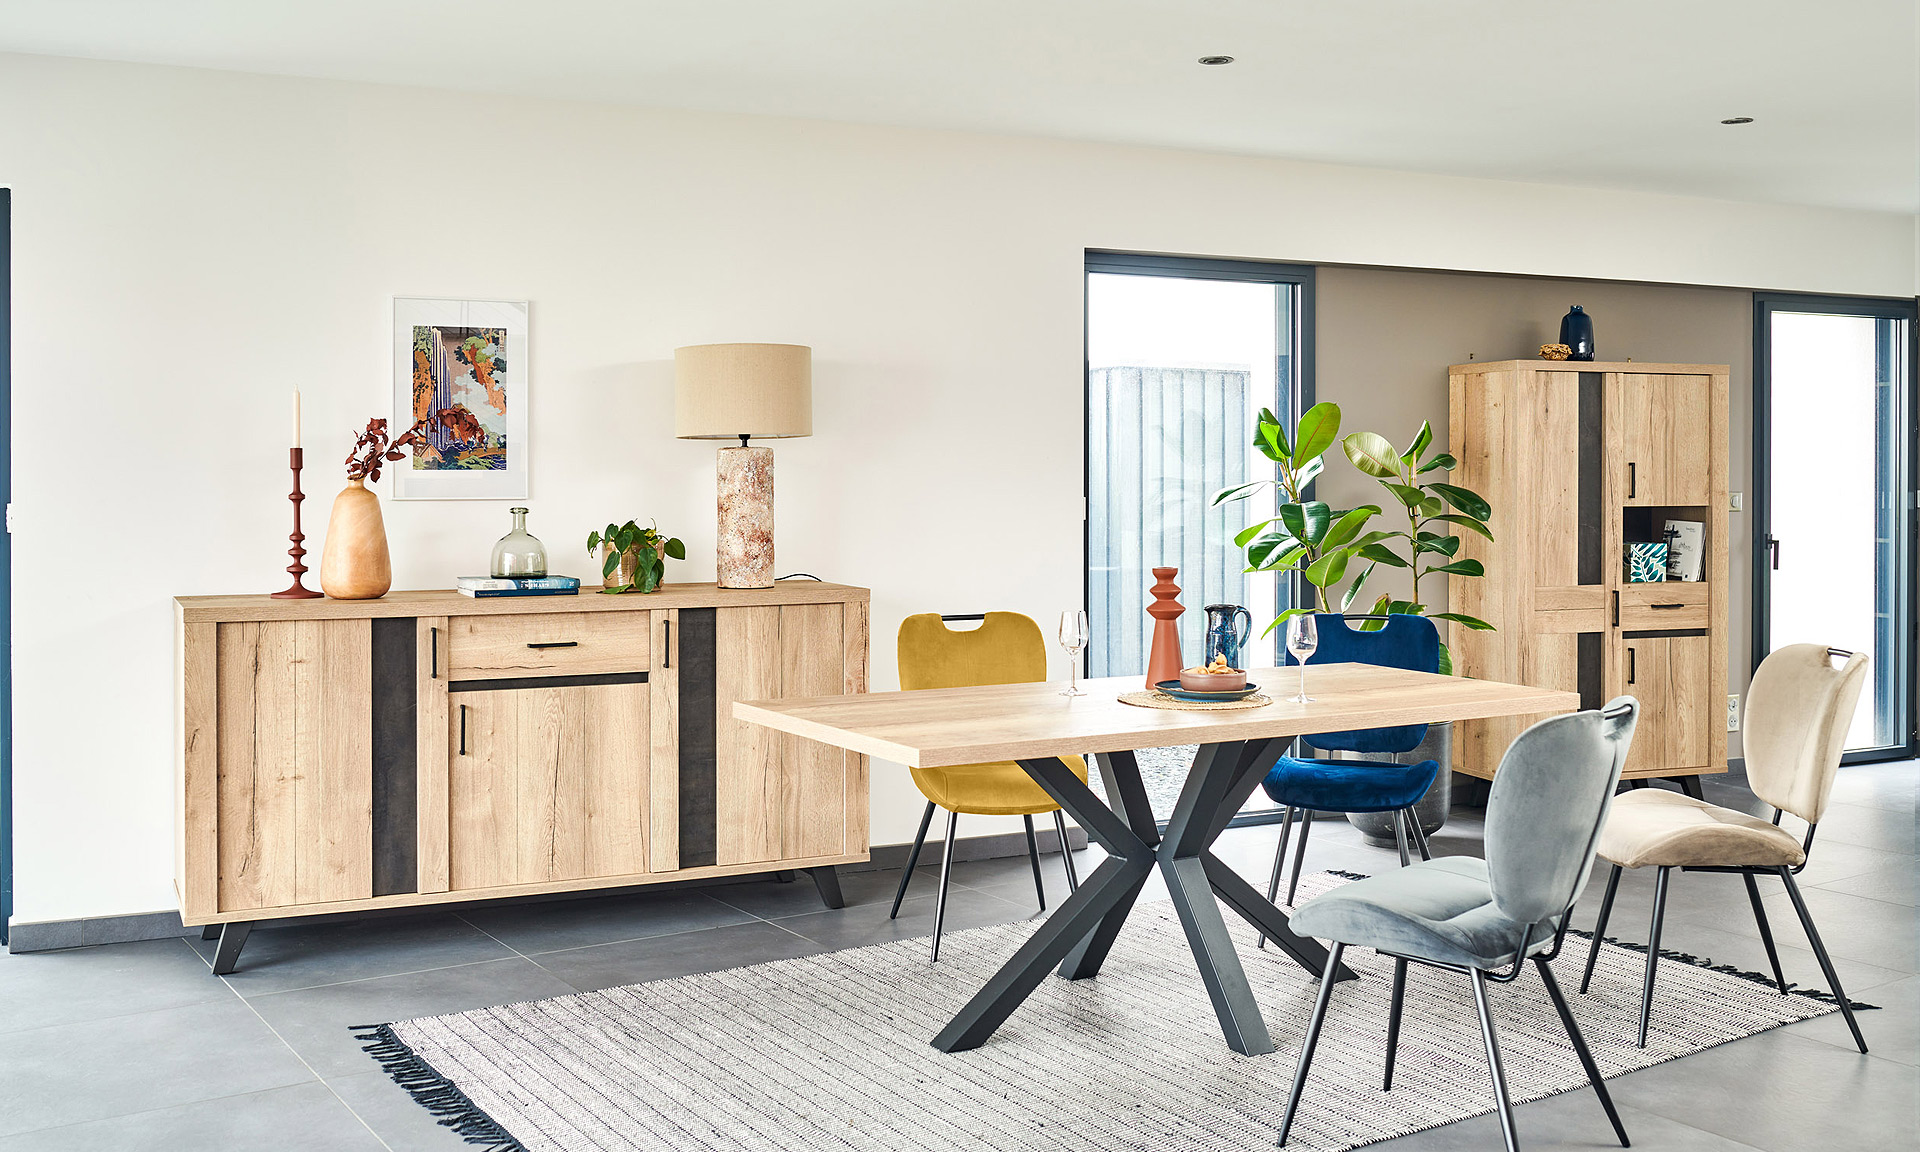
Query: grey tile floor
136, 1046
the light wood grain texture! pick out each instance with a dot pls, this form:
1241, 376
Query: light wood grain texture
854, 680
197, 839
1720, 586
1662, 454
430, 754
663, 708
295, 763
947, 726
552, 785
1665, 604
507, 647
747, 777
1579, 366
813, 775
224, 609
1669, 676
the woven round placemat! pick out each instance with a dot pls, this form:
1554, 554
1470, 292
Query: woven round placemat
1150, 699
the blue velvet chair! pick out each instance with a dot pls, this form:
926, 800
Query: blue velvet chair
1306, 785
1485, 919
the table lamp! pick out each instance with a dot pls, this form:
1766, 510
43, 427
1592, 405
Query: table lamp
729, 391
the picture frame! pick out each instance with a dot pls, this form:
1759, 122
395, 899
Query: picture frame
461, 365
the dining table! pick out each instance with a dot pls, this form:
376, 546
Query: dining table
1036, 724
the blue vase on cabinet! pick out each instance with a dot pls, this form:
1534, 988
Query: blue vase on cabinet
1576, 332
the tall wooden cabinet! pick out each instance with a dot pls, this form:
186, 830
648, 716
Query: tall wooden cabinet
339, 755
1577, 460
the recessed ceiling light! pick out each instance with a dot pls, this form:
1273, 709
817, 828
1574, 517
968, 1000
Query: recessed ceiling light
1216, 61
1738, 120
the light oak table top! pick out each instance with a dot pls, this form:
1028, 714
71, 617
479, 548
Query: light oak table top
938, 727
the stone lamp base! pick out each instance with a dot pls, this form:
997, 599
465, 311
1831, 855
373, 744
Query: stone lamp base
745, 482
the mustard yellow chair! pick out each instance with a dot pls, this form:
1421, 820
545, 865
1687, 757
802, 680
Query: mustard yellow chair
1006, 648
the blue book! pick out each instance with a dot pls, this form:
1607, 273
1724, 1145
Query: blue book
517, 584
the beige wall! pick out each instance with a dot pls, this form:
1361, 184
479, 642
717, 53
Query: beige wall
191, 245
1385, 338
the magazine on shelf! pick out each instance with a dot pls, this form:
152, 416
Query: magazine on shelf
486, 586
1686, 549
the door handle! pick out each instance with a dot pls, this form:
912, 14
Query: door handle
556, 644
1666, 605
433, 654
1632, 483
1773, 551
1629, 665
463, 729
1616, 608
666, 644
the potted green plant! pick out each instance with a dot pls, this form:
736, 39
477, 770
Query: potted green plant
632, 558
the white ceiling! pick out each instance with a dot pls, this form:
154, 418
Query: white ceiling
1603, 93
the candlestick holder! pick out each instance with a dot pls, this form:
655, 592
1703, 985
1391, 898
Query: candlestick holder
297, 591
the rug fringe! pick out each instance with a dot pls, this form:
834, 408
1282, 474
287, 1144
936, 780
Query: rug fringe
1816, 994
432, 1091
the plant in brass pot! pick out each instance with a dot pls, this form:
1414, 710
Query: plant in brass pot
1306, 536
1436, 511
632, 558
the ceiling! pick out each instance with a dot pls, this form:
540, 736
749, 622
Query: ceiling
1615, 94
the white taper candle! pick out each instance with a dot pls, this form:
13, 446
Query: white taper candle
296, 417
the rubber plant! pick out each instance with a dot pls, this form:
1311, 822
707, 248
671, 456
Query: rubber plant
1306, 536
648, 548
1437, 513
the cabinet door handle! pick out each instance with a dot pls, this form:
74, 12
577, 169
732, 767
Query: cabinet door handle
1666, 605
1632, 484
433, 654
1616, 609
556, 644
463, 729
666, 648
1629, 665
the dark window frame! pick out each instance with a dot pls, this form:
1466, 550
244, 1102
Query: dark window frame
1907, 636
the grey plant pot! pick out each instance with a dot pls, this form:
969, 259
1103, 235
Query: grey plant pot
1377, 827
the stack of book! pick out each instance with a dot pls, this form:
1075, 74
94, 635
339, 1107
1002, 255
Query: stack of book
483, 586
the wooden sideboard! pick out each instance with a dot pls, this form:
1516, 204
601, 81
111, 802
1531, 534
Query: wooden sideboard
427, 747
1578, 459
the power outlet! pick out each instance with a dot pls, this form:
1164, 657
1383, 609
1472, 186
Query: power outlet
1733, 713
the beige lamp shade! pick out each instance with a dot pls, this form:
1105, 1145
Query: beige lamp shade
725, 391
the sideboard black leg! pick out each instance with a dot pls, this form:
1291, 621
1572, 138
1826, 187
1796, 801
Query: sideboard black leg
210, 932
784, 876
828, 882
233, 937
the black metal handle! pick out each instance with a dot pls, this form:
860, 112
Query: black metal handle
1616, 609
433, 654
666, 645
1666, 605
1773, 549
1632, 483
556, 644
463, 729
1630, 666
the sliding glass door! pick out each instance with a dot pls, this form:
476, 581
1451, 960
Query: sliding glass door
1834, 531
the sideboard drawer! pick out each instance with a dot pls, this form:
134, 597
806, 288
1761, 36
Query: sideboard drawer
1665, 605
547, 644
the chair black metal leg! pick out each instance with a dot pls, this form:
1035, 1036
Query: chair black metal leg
1033, 857
1327, 980
1393, 1020
1066, 851
1419, 835
1820, 951
913, 860
226, 954
1600, 927
1766, 930
1279, 863
827, 882
1580, 1048
1400, 836
1299, 854
1653, 951
1500, 1100
210, 932
946, 870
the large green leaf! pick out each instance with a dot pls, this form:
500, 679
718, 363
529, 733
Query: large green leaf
1433, 542
1442, 461
1420, 441
1304, 475
1308, 522
1381, 554
1281, 619
1243, 537
1408, 495
1353, 588
1473, 622
1271, 440
1319, 425
1326, 571
1463, 499
1461, 568
676, 548
1239, 491
1348, 526
1446, 661
1466, 522
1432, 506
1372, 453
1262, 550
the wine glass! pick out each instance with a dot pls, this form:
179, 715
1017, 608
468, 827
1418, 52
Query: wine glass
1303, 638
1073, 637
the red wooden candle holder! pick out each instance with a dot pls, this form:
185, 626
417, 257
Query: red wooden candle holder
296, 591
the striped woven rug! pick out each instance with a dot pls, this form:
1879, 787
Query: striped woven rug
830, 1052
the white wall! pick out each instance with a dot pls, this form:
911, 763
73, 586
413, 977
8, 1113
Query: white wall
190, 245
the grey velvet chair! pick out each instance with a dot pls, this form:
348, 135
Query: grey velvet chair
1798, 709
1485, 918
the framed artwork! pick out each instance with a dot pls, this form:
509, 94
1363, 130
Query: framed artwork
460, 366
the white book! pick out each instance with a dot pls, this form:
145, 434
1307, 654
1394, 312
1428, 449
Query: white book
1686, 549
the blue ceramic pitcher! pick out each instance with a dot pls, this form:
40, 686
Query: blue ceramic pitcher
1227, 629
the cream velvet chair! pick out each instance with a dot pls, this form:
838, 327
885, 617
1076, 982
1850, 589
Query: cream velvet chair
1798, 709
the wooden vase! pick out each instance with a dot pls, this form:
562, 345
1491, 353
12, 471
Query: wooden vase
355, 564
1163, 659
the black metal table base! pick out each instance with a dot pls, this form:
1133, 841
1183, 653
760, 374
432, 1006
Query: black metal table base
1078, 936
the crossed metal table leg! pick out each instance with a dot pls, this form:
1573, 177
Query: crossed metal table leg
1078, 936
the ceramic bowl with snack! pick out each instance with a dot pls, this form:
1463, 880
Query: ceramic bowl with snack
1214, 677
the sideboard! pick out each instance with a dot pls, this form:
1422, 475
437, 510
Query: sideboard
427, 747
